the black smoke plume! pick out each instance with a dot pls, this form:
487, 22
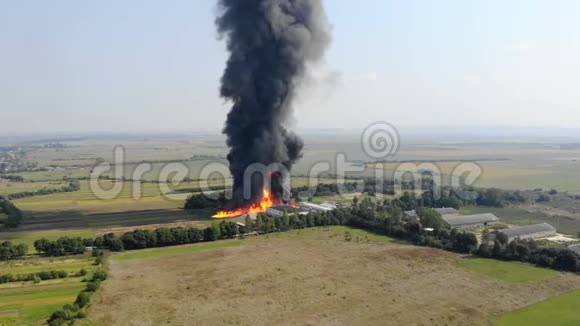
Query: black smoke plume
271, 43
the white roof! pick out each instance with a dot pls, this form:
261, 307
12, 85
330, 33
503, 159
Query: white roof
315, 206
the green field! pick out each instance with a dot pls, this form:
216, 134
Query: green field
28, 303
562, 310
35, 303
511, 272
177, 250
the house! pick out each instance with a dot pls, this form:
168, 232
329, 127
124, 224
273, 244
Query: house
535, 231
467, 221
575, 248
447, 211
278, 211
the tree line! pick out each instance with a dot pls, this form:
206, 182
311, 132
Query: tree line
77, 310
38, 276
529, 251
9, 250
63, 246
73, 185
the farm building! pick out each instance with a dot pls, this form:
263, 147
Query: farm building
466, 221
529, 231
575, 248
315, 207
447, 211
411, 215
278, 211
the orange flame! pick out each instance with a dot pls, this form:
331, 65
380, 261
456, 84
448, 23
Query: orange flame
259, 207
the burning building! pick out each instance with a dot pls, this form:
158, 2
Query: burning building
271, 44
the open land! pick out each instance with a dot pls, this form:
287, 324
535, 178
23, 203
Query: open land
316, 277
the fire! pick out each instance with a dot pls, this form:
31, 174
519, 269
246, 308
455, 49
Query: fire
259, 207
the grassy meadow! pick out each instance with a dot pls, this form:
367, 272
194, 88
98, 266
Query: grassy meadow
561, 310
512, 272
29, 303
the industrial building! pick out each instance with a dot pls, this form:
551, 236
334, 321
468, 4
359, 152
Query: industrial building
575, 248
278, 211
467, 221
535, 231
315, 207
447, 211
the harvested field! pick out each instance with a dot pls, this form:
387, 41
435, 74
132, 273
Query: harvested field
311, 277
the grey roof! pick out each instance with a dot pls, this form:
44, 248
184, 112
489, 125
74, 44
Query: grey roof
575, 248
287, 208
447, 211
517, 231
458, 220
282, 208
412, 213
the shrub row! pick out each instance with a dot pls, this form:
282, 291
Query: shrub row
38, 276
77, 310
73, 185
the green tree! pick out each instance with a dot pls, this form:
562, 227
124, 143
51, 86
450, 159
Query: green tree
248, 223
285, 221
430, 218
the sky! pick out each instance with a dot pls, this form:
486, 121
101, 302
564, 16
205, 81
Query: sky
145, 65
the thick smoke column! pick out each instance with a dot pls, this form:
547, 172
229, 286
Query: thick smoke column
271, 42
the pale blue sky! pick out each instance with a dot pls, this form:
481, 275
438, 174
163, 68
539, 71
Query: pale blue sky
154, 66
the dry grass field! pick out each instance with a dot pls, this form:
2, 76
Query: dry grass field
311, 277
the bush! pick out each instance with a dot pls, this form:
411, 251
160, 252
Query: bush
93, 286
83, 299
99, 275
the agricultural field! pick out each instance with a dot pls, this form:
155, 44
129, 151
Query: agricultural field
316, 276
7, 188
559, 310
29, 303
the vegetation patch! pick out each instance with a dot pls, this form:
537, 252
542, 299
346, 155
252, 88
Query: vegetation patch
512, 272
559, 310
35, 302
